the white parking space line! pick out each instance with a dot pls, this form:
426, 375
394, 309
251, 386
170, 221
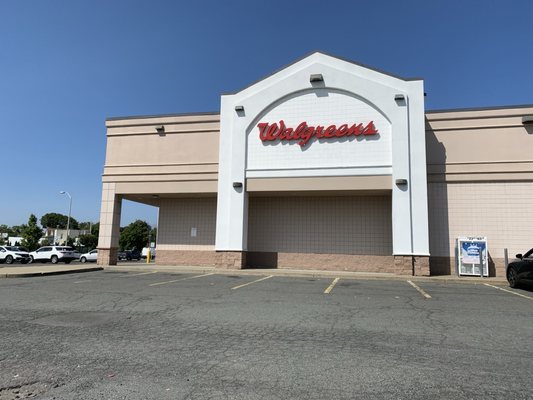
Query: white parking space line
82, 281
509, 291
181, 279
142, 273
249, 283
422, 292
330, 287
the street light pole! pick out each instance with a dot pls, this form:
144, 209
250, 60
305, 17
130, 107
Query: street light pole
69, 210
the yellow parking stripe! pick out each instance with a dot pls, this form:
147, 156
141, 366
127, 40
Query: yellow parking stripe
181, 279
249, 283
422, 292
509, 291
330, 287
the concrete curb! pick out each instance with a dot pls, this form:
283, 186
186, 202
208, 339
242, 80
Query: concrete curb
303, 273
19, 272
31, 274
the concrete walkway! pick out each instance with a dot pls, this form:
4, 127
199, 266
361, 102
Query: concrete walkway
21, 271
38, 270
143, 267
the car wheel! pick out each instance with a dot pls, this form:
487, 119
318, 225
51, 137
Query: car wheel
9, 260
54, 259
83, 260
512, 277
31, 259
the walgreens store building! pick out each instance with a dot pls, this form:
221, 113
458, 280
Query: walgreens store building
325, 164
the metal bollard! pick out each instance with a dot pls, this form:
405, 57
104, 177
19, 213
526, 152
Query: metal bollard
506, 257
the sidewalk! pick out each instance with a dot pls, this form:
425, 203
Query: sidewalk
143, 267
22, 271
39, 270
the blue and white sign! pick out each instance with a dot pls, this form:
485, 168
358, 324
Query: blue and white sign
472, 256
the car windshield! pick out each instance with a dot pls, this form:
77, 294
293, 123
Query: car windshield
11, 248
529, 253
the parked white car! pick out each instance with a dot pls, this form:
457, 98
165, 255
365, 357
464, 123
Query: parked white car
91, 256
55, 254
11, 254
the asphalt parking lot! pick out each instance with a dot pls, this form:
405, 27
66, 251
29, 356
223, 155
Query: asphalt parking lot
151, 335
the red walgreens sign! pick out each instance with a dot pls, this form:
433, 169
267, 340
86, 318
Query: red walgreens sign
303, 133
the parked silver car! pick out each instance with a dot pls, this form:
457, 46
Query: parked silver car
91, 256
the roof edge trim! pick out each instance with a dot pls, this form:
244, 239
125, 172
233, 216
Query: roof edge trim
163, 115
479, 108
326, 54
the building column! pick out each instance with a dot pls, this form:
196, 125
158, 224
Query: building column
410, 237
109, 225
232, 198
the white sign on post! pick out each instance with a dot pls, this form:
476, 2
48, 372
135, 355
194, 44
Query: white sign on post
472, 256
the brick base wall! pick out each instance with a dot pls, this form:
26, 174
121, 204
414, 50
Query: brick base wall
326, 262
401, 265
218, 259
411, 265
186, 257
107, 256
230, 259
421, 266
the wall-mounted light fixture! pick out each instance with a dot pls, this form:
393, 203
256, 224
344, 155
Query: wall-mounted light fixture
401, 182
399, 97
527, 119
316, 78
160, 129
239, 108
237, 184
155, 196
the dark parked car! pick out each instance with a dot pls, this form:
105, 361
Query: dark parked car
129, 255
520, 270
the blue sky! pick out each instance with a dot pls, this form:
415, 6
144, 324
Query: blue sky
67, 65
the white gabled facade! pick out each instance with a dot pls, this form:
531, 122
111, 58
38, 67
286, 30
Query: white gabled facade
348, 94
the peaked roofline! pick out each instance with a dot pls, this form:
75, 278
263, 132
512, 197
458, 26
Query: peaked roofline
328, 55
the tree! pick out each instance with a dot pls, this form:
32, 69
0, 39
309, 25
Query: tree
153, 234
95, 229
135, 235
4, 233
31, 234
55, 220
89, 241
16, 230
94, 226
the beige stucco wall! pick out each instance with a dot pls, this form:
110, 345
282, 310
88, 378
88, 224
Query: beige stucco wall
501, 211
480, 182
177, 217
342, 225
482, 145
182, 158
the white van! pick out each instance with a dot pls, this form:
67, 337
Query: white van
144, 253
